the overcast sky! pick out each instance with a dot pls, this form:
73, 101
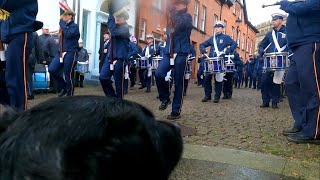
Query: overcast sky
257, 14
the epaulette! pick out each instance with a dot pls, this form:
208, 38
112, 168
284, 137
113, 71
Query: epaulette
4, 14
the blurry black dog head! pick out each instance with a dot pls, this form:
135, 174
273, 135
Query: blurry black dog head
88, 137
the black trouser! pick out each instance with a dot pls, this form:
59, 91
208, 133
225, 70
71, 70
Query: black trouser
30, 71
79, 79
132, 75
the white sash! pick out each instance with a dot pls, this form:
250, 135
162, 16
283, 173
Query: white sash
216, 46
147, 53
276, 43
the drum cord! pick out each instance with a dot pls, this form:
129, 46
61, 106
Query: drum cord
317, 82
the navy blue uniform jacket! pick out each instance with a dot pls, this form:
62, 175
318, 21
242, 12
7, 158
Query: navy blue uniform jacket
281, 37
70, 36
303, 23
223, 41
119, 38
182, 31
22, 17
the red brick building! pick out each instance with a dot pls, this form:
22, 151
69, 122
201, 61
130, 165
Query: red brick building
151, 19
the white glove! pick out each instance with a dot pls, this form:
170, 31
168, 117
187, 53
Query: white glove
172, 59
61, 58
134, 62
114, 62
126, 74
201, 76
168, 77
187, 76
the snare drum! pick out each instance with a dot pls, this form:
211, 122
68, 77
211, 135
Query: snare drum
214, 65
83, 67
276, 61
41, 79
155, 62
189, 67
230, 67
142, 63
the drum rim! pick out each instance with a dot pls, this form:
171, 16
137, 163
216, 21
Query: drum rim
214, 58
83, 63
277, 53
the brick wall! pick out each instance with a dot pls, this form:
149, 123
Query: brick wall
155, 20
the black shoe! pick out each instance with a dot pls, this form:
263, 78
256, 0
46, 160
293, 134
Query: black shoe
301, 139
225, 97
164, 105
264, 105
184, 93
173, 116
254, 88
31, 97
275, 106
76, 85
81, 85
142, 87
62, 93
216, 101
148, 90
206, 99
158, 97
291, 131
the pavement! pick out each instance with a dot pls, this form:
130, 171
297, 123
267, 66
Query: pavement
204, 163
234, 139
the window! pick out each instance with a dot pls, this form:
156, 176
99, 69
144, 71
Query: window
85, 19
203, 18
215, 19
143, 30
240, 16
251, 46
234, 8
232, 32
238, 38
242, 44
157, 4
196, 13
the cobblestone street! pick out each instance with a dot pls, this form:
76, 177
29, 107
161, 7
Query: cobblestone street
235, 124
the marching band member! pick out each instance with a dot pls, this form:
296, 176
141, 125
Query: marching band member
135, 49
149, 51
70, 36
103, 50
83, 56
249, 71
239, 71
18, 21
177, 45
118, 54
302, 79
274, 41
192, 56
217, 44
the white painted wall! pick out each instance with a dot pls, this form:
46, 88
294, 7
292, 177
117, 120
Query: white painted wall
49, 14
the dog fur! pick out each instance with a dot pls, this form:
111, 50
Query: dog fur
87, 137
